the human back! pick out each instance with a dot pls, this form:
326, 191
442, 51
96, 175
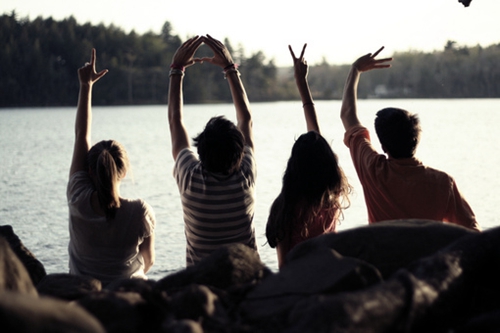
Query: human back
396, 184
110, 237
216, 183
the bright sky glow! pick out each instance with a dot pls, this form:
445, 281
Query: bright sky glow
339, 31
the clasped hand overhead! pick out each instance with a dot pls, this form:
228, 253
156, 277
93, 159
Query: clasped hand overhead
184, 56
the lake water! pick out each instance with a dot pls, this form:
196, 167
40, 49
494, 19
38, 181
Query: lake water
459, 136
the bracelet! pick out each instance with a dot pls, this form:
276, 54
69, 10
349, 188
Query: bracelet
228, 67
306, 104
175, 66
175, 71
231, 70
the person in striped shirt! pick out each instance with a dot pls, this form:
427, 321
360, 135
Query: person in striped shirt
217, 183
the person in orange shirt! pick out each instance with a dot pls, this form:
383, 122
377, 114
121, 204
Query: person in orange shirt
396, 185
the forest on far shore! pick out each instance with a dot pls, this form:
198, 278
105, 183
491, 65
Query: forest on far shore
39, 59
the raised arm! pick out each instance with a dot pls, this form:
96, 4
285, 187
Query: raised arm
83, 123
223, 59
182, 58
300, 72
348, 111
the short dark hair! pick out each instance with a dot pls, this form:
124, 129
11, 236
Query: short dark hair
398, 131
220, 146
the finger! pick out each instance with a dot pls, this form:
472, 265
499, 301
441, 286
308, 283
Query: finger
291, 52
215, 41
384, 60
303, 50
102, 73
207, 59
92, 58
378, 51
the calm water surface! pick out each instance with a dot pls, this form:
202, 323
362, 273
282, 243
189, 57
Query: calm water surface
459, 136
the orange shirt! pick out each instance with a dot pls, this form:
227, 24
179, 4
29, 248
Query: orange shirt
405, 188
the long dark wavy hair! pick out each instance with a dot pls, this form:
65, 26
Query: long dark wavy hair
108, 163
312, 183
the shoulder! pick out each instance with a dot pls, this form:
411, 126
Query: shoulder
356, 132
78, 182
141, 211
248, 163
186, 157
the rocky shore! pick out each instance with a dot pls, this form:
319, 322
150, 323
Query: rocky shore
397, 276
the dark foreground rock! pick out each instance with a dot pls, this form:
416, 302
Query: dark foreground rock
33, 266
389, 245
13, 274
68, 287
20, 313
404, 276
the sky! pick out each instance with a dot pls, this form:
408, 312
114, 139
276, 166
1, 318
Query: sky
337, 31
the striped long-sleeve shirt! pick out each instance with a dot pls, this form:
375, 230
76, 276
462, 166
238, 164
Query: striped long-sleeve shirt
218, 209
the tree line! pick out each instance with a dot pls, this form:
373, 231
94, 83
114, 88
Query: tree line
40, 57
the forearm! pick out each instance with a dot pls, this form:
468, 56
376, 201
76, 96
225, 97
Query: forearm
178, 133
242, 105
83, 124
83, 120
307, 104
348, 112
147, 251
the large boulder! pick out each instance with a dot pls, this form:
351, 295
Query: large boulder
438, 293
125, 311
389, 245
68, 287
229, 266
321, 271
20, 313
34, 267
13, 274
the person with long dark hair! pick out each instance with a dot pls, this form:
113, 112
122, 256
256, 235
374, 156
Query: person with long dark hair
110, 237
315, 189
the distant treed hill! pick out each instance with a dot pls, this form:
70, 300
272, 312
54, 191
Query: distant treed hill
39, 60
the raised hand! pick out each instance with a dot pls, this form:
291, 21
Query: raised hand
184, 56
221, 57
87, 73
368, 62
299, 64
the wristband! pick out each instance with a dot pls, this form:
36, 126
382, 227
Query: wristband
175, 71
179, 67
231, 66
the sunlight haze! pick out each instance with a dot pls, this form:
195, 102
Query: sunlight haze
339, 32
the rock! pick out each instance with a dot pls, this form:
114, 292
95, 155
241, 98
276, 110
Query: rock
125, 312
321, 271
13, 274
484, 323
227, 267
34, 267
68, 287
434, 294
141, 286
183, 326
20, 313
194, 302
389, 245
